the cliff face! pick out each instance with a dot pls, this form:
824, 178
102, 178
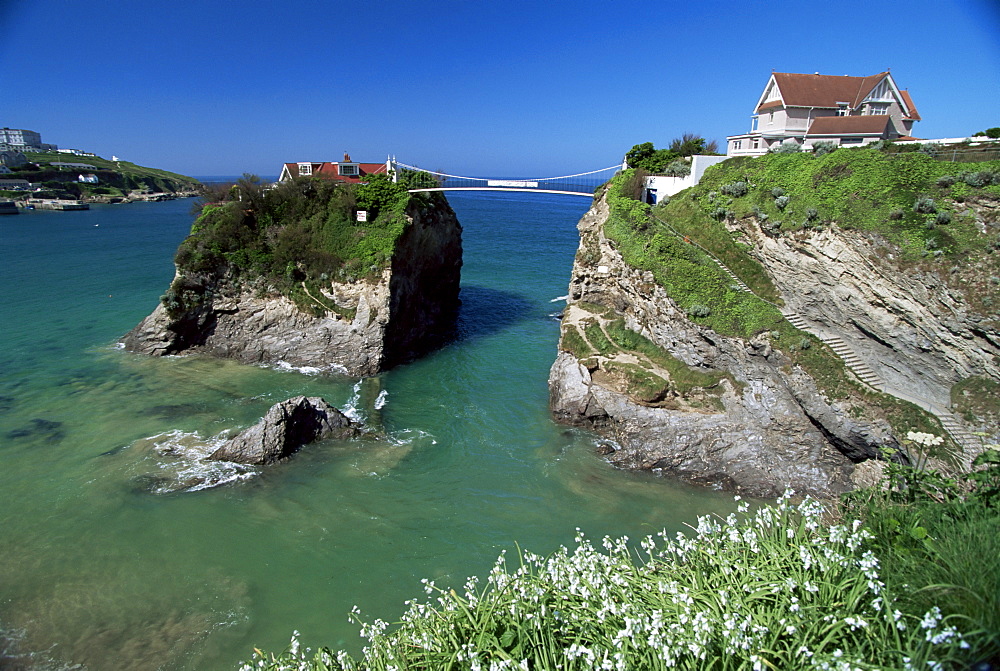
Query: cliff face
762, 423
913, 328
408, 310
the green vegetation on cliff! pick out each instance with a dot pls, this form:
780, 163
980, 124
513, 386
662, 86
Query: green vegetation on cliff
669, 161
645, 372
920, 213
294, 237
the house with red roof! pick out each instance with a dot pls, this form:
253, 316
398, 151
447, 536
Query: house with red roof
347, 170
806, 109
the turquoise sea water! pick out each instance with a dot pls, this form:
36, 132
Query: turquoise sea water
99, 569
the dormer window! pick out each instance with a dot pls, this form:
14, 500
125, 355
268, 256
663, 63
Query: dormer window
878, 108
843, 109
347, 169
305, 169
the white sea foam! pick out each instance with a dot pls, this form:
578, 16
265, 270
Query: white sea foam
559, 298
184, 466
306, 370
351, 408
380, 400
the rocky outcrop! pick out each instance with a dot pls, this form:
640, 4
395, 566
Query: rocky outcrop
359, 328
285, 428
769, 428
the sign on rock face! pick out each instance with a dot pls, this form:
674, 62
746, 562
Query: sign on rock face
511, 182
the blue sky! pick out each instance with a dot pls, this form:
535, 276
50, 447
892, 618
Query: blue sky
471, 87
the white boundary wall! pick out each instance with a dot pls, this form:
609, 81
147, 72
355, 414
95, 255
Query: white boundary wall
662, 185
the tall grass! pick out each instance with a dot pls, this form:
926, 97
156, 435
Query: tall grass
771, 589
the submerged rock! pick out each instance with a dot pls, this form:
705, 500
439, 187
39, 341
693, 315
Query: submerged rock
285, 428
39, 429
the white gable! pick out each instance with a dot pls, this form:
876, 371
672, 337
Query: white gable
771, 92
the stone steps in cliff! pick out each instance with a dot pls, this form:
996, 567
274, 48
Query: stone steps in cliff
863, 372
740, 284
955, 429
868, 376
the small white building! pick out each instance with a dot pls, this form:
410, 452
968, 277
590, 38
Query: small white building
89, 178
658, 186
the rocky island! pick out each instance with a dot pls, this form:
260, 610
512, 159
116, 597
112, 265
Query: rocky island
789, 321
292, 275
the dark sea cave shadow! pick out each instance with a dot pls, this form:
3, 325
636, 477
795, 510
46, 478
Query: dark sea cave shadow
485, 311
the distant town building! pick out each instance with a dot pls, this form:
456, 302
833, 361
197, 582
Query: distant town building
806, 109
89, 178
19, 139
14, 185
73, 166
338, 171
12, 159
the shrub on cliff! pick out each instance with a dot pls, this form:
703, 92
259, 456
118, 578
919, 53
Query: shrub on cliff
664, 161
297, 231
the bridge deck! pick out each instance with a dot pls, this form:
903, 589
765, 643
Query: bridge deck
502, 188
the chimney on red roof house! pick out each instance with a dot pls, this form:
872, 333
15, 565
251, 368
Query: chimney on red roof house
347, 158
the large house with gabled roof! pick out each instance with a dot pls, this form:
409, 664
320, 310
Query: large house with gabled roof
806, 109
339, 171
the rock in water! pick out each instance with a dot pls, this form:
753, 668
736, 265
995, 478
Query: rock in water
366, 325
285, 428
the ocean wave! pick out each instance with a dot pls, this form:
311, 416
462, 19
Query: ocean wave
559, 298
14, 654
183, 464
306, 370
352, 408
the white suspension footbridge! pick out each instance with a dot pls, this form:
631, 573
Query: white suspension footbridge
580, 184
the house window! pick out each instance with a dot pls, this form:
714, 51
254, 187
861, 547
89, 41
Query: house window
851, 140
347, 169
755, 143
770, 118
305, 169
843, 110
737, 145
878, 108
753, 123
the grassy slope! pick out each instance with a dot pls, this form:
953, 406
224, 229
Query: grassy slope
117, 178
123, 167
